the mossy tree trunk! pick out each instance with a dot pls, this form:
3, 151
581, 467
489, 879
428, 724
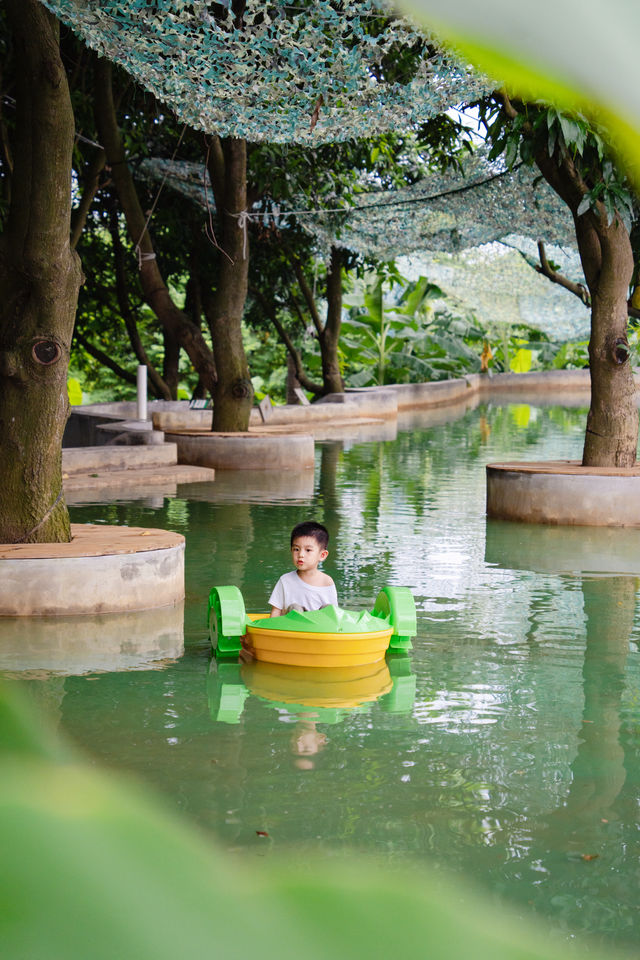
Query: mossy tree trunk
611, 437
330, 335
233, 398
40, 276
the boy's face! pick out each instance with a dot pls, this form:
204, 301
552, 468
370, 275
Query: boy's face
307, 553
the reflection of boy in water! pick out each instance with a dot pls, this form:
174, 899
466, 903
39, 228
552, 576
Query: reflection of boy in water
306, 587
306, 741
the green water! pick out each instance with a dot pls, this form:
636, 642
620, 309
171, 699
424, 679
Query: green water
507, 752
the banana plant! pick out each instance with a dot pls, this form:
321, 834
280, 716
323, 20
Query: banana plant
394, 334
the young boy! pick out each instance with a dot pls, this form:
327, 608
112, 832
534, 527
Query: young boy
306, 587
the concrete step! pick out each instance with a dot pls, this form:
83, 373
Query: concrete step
88, 460
110, 481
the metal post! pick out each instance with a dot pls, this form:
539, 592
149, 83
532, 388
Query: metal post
142, 392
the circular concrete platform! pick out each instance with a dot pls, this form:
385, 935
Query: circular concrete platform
564, 492
104, 569
244, 451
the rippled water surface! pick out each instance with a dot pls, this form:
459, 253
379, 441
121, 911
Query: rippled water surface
505, 749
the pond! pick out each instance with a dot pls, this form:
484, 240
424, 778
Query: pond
505, 749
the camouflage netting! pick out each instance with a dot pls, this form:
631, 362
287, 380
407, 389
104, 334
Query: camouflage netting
445, 227
289, 73
497, 283
450, 211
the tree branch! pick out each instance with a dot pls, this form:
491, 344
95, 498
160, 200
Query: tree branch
545, 269
155, 290
307, 293
103, 358
303, 379
91, 183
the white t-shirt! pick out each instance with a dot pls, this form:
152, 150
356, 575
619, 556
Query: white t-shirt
290, 588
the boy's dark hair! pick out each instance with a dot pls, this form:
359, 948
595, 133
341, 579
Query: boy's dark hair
309, 528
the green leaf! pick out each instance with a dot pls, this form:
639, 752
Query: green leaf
74, 391
554, 56
521, 362
584, 205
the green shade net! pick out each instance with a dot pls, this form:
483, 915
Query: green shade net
450, 211
306, 73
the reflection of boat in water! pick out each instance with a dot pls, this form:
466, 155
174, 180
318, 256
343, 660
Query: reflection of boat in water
330, 637
330, 693
307, 686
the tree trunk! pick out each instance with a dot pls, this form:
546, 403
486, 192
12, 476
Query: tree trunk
330, 336
39, 280
171, 365
233, 395
611, 437
329, 333
154, 289
160, 387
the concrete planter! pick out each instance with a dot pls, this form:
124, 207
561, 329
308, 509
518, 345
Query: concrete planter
245, 451
103, 570
564, 492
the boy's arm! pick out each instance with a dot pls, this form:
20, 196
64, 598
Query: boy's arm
276, 612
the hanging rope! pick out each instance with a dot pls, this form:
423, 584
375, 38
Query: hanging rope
142, 255
208, 227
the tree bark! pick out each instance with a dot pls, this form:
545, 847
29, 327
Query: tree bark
233, 394
330, 336
611, 437
154, 289
39, 280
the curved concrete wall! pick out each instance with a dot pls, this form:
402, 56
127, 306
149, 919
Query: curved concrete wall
563, 493
410, 396
245, 451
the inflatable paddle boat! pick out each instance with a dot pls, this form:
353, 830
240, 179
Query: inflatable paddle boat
330, 637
